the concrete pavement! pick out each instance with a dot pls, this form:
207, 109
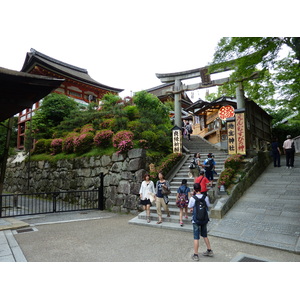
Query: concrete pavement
264, 225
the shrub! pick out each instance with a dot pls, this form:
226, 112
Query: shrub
87, 128
103, 138
68, 143
107, 123
42, 146
120, 136
226, 177
150, 136
165, 165
56, 146
234, 161
83, 143
125, 146
143, 144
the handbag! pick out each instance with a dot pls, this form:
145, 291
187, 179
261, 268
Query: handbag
165, 191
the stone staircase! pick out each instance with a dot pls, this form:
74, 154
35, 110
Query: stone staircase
197, 144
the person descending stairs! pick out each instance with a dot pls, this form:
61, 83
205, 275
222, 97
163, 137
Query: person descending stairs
196, 145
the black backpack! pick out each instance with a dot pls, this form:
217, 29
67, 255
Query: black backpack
201, 215
210, 165
192, 164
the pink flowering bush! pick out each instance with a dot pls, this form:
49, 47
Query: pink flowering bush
68, 143
107, 123
87, 128
125, 146
56, 146
83, 143
103, 138
120, 136
234, 161
226, 177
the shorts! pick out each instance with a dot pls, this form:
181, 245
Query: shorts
145, 202
199, 230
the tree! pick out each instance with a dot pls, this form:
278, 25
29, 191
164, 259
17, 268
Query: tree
281, 75
55, 107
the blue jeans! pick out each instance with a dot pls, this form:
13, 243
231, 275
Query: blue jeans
199, 230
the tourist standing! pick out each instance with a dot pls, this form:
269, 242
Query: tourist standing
199, 228
289, 150
189, 130
182, 200
275, 152
147, 193
162, 200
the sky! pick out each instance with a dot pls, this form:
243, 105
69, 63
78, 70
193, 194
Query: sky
124, 43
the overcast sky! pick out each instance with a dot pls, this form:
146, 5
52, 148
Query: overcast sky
123, 43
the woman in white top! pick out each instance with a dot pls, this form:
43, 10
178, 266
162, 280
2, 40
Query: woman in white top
147, 193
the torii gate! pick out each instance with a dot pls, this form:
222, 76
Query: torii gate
206, 82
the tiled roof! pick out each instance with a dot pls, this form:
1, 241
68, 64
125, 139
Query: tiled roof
34, 58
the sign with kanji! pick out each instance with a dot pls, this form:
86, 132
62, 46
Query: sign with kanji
226, 112
177, 140
240, 133
231, 137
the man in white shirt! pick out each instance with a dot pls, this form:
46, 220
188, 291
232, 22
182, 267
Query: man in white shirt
289, 150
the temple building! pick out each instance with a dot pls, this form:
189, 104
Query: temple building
77, 85
242, 131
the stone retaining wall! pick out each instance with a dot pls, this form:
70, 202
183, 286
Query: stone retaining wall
123, 176
253, 168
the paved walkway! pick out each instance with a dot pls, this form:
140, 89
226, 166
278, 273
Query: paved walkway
268, 214
264, 224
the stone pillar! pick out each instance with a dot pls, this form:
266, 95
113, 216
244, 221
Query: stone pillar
240, 96
177, 104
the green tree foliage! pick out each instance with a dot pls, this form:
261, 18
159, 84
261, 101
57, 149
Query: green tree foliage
54, 108
3, 134
246, 55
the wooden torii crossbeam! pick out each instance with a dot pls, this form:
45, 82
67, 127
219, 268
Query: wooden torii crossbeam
206, 82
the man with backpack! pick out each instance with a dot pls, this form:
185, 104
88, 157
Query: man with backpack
209, 167
198, 207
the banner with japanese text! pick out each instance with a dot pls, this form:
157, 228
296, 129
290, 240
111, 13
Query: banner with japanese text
177, 141
231, 137
240, 133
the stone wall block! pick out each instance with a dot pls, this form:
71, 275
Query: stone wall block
135, 164
118, 157
135, 188
105, 160
139, 175
117, 167
136, 153
124, 187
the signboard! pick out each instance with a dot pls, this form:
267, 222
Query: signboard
177, 140
231, 137
240, 133
226, 112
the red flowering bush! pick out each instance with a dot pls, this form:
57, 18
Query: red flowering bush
68, 143
83, 143
103, 138
56, 146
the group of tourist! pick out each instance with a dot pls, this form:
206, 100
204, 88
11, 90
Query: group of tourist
288, 149
185, 199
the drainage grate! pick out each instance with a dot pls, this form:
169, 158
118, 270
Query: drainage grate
22, 230
250, 259
242, 257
